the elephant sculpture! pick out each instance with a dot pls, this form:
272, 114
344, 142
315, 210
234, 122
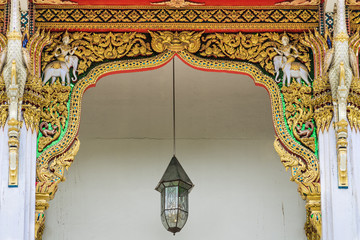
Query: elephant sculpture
290, 70
61, 69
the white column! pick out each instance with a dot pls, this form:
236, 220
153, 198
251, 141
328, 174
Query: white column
17, 204
339, 206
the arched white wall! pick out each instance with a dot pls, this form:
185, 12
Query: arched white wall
224, 142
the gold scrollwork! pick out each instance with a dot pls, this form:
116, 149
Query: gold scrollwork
46, 187
299, 112
254, 48
3, 96
309, 190
175, 41
53, 161
353, 108
54, 112
3, 103
97, 47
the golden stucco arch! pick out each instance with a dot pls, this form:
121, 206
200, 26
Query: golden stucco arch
55, 154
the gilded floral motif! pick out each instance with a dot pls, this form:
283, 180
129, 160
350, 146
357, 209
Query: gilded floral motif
299, 112
255, 48
54, 113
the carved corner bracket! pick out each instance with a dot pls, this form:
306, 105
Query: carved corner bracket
309, 188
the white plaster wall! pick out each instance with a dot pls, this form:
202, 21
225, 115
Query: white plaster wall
225, 144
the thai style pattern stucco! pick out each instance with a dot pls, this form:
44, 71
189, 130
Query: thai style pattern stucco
289, 65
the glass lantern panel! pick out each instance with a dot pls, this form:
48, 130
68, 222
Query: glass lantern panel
163, 220
171, 217
162, 201
182, 219
171, 197
183, 199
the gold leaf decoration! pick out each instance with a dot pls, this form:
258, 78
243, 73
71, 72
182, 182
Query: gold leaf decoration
322, 99
175, 41
299, 112
255, 48
309, 189
98, 47
54, 112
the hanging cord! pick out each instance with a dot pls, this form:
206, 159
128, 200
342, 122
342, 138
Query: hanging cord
174, 105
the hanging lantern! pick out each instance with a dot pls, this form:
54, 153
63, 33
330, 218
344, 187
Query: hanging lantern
174, 187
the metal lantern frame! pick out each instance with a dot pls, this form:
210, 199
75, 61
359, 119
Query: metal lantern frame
174, 186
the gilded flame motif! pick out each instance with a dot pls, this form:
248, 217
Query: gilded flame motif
322, 99
353, 108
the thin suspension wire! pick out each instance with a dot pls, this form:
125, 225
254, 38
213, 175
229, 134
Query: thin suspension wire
174, 149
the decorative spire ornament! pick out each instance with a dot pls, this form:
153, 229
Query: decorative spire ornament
14, 75
341, 64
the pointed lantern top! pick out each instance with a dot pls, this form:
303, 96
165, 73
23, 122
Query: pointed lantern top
174, 172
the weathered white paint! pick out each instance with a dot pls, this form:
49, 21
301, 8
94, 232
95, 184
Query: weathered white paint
17, 205
225, 144
340, 207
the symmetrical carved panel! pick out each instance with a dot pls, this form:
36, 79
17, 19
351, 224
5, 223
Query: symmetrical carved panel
266, 57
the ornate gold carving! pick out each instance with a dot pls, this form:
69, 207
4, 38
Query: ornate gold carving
322, 99
313, 215
353, 108
254, 48
45, 191
177, 3
3, 95
46, 187
121, 18
162, 41
33, 99
299, 112
304, 176
309, 188
55, 111
97, 47
3, 103
47, 172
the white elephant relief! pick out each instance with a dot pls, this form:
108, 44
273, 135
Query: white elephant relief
290, 70
61, 69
